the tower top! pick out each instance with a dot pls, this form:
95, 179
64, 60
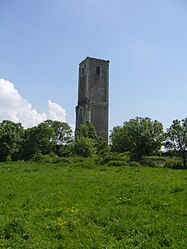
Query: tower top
93, 59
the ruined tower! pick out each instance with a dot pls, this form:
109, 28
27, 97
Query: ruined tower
93, 93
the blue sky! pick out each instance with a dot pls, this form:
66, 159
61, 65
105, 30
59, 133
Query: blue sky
43, 41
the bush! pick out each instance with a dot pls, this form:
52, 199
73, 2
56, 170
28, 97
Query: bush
49, 158
117, 163
135, 164
76, 159
86, 163
174, 163
110, 157
8, 158
84, 146
37, 157
65, 151
154, 161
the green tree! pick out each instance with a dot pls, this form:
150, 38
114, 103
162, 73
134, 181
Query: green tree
63, 132
118, 139
11, 136
63, 138
38, 139
87, 130
101, 146
84, 146
49, 136
177, 138
29, 143
139, 136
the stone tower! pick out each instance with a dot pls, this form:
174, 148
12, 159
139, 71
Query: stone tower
93, 95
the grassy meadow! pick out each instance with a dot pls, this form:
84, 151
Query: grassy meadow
53, 206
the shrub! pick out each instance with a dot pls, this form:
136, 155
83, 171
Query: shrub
65, 151
49, 158
154, 161
135, 164
117, 163
86, 163
174, 163
61, 160
84, 146
8, 158
37, 157
110, 157
76, 159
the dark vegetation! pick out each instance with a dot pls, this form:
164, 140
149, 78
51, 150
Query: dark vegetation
139, 140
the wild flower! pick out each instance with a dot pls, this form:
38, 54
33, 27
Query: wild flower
61, 223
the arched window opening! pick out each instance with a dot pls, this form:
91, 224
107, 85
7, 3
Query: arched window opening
98, 70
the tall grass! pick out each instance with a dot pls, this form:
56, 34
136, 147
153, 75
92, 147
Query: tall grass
73, 206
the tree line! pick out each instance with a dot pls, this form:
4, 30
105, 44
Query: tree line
139, 137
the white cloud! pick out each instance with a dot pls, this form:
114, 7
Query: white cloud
56, 112
17, 109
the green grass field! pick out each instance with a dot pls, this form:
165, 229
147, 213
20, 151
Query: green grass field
62, 206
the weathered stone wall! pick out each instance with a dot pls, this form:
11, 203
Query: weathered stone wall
93, 95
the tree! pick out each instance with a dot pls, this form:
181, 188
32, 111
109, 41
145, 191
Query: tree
85, 140
177, 138
87, 130
38, 139
118, 139
49, 136
101, 146
63, 132
11, 136
84, 146
139, 136
63, 138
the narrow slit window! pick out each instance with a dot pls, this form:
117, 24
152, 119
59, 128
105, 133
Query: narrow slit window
98, 70
83, 72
